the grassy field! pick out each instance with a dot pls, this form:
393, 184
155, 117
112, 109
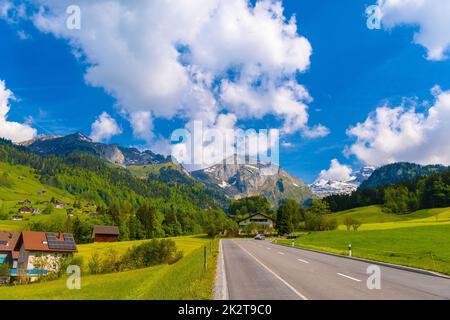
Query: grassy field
420, 239
144, 170
187, 244
185, 279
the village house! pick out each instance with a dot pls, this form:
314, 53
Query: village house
8, 240
24, 210
59, 205
70, 212
42, 192
105, 234
24, 202
36, 211
261, 224
41, 252
17, 218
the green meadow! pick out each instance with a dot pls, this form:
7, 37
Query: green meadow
186, 279
420, 239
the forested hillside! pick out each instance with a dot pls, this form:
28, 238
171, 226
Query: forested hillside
143, 208
431, 191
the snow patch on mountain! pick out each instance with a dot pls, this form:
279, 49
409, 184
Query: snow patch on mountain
322, 188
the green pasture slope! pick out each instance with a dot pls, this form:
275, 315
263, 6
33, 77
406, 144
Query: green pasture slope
420, 239
25, 186
186, 279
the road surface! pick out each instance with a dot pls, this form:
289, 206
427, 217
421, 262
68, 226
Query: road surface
260, 270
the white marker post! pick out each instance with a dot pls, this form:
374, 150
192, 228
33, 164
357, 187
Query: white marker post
349, 249
293, 242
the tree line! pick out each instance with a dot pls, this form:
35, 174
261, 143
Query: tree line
432, 191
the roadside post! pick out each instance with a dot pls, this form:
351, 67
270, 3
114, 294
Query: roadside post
205, 263
349, 249
293, 242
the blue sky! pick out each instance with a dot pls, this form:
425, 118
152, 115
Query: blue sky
353, 71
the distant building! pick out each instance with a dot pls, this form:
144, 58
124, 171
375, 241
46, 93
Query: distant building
261, 222
105, 234
39, 252
42, 192
24, 210
59, 205
36, 211
17, 218
70, 212
24, 202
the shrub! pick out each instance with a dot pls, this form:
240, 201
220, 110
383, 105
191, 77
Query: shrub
152, 253
95, 264
4, 269
351, 222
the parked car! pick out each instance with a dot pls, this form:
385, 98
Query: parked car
260, 237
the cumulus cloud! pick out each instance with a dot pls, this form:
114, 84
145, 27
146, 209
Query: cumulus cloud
14, 131
403, 134
431, 16
337, 172
190, 59
104, 128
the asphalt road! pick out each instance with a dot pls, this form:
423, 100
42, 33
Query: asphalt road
260, 270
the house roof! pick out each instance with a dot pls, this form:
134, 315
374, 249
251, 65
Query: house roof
109, 230
47, 242
8, 240
257, 214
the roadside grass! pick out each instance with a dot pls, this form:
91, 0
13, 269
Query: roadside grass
185, 279
373, 217
426, 247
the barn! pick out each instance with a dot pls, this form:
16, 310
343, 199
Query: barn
105, 234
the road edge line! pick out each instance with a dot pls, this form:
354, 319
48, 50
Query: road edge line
384, 264
221, 286
273, 273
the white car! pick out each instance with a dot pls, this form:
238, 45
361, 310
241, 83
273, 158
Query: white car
260, 237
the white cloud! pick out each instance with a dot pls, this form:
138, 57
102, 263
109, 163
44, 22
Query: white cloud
318, 131
14, 131
104, 128
190, 59
404, 134
431, 16
337, 172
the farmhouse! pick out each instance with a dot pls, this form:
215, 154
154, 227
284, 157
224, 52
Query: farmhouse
36, 211
8, 240
105, 234
24, 202
24, 210
59, 205
41, 252
260, 223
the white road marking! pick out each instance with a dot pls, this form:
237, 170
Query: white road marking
301, 260
348, 277
268, 248
280, 252
270, 270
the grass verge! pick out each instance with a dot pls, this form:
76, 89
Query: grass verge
425, 247
185, 279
